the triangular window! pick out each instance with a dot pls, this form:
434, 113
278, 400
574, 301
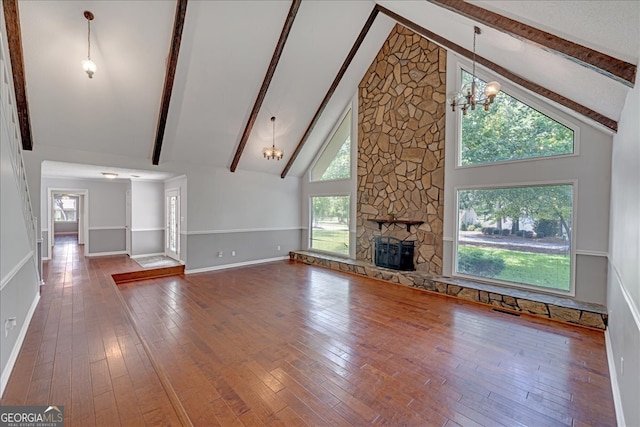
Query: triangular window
510, 131
335, 161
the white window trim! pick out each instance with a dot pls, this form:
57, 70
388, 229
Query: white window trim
541, 289
527, 98
350, 232
348, 109
343, 186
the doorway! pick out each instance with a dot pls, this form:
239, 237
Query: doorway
172, 221
127, 225
68, 214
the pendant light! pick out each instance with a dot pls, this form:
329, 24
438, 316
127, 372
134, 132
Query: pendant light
273, 152
474, 93
88, 65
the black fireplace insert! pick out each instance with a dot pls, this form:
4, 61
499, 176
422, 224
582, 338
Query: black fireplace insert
394, 253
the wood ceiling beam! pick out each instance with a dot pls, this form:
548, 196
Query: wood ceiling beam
609, 66
275, 58
527, 84
332, 88
14, 40
172, 64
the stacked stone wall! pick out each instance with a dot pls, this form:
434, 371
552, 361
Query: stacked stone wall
402, 102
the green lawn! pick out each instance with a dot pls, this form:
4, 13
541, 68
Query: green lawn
546, 270
330, 240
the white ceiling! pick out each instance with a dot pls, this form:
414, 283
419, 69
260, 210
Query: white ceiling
611, 27
552, 71
116, 111
225, 51
81, 171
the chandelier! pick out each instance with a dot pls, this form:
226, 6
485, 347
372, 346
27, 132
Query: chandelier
476, 92
273, 152
88, 65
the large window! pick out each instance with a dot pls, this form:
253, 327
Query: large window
330, 224
65, 209
335, 160
510, 130
520, 235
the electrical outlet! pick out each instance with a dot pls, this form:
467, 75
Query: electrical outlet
220, 254
233, 253
621, 366
278, 247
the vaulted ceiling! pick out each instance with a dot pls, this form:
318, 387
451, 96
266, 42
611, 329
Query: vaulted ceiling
225, 52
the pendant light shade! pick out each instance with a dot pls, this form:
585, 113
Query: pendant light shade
88, 65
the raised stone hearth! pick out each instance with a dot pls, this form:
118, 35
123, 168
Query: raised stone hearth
514, 300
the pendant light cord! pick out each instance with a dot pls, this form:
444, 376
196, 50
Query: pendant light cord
273, 120
88, 39
476, 30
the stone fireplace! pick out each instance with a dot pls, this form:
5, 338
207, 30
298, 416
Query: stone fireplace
401, 118
394, 253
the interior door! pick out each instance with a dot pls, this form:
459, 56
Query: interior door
127, 224
172, 220
80, 210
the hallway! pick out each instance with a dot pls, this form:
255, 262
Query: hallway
81, 350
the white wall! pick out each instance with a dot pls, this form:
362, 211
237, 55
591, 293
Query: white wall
106, 199
14, 245
19, 277
147, 217
623, 296
106, 211
217, 202
591, 169
147, 205
18, 273
249, 213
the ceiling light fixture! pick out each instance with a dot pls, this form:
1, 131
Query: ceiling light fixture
88, 65
273, 152
474, 93
110, 175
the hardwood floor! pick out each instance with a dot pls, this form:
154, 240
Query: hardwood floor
290, 344
82, 352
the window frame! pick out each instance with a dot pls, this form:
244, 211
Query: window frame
522, 286
310, 222
521, 96
347, 111
74, 210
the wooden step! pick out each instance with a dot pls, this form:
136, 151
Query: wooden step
151, 273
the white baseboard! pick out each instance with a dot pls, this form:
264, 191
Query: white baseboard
613, 376
237, 264
146, 255
13, 357
95, 254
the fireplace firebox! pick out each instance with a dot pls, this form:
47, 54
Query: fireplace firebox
394, 253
